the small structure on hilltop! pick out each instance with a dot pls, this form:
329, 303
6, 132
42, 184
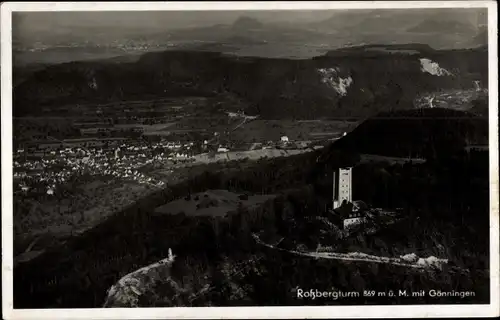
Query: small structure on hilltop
284, 139
222, 149
477, 85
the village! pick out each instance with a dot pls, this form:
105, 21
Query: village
42, 167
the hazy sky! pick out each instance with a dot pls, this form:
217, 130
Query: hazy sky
153, 19
172, 20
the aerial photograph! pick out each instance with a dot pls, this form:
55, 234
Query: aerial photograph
250, 158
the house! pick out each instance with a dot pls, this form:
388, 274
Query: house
347, 216
284, 139
354, 220
357, 214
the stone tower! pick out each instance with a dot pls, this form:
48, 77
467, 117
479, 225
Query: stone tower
342, 186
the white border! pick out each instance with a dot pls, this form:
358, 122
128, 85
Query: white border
243, 312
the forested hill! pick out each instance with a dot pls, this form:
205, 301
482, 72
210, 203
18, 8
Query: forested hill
417, 133
357, 82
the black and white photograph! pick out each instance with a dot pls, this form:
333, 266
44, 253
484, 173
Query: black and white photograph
162, 157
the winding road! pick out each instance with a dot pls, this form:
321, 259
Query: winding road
425, 264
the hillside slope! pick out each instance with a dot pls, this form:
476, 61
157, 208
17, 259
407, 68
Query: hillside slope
421, 133
358, 82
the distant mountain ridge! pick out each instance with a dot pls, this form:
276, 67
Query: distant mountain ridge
394, 20
355, 83
244, 22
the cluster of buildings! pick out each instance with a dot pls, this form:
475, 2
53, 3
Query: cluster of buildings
58, 166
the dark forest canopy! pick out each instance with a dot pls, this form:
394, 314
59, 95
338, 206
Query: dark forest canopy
417, 133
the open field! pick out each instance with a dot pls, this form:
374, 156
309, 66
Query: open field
148, 128
249, 155
265, 130
212, 203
